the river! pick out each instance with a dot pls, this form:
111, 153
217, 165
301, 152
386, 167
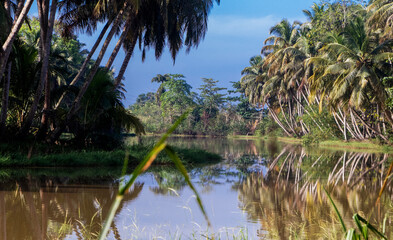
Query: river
261, 190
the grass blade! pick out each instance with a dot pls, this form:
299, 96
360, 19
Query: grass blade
336, 210
351, 234
142, 166
179, 165
110, 218
359, 225
369, 226
151, 156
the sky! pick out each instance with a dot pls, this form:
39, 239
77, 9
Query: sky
236, 31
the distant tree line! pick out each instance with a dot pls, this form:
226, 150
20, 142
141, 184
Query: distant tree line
214, 110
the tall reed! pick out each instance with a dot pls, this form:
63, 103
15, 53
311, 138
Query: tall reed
161, 145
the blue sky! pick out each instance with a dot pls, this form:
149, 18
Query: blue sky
236, 31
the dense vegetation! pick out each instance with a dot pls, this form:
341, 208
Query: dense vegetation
50, 83
330, 77
214, 111
327, 78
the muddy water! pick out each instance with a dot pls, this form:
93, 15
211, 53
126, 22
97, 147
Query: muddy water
261, 190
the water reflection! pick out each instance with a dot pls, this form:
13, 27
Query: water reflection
272, 190
36, 207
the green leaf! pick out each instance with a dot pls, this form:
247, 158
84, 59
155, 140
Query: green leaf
351, 235
369, 226
142, 166
179, 165
336, 210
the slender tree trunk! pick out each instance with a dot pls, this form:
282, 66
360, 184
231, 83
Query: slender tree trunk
338, 124
274, 115
347, 125
345, 128
309, 114
4, 102
76, 104
124, 65
369, 127
7, 7
119, 43
47, 107
47, 23
355, 126
83, 68
7, 46
285, 118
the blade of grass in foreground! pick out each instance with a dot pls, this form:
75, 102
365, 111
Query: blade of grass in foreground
179, 165
358, 218
336, 210
143, 166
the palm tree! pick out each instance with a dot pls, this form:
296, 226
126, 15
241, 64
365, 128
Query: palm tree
46, 15
162, 22
352, 70
315, 13
103, 111
20, 15
282, 63
253, 80
381, 16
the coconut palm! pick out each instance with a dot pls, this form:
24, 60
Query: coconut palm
381, 17
352, 71
176, 23
253, 80
15, 24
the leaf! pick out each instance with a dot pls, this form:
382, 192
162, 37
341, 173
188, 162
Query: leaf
142, 166
336, 210
179, 165
351, 234
369, 226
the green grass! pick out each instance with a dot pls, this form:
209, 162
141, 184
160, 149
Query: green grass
363, 146
94, 158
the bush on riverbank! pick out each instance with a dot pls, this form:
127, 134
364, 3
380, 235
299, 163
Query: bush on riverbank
77, 158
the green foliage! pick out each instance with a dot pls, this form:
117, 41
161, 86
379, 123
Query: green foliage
176, 97
212, 113
267, 127
9, 157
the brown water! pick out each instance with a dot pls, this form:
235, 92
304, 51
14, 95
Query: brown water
262, 190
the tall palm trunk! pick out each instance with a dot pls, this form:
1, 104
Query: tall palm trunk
47, 106
119, 43
277, 120
7, 46
76, 104
130, 51
83, 68
47, 20
4, 102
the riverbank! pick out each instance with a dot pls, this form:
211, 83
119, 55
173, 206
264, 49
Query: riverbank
100, 158
364, 146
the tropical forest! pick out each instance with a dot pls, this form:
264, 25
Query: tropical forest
197, 119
